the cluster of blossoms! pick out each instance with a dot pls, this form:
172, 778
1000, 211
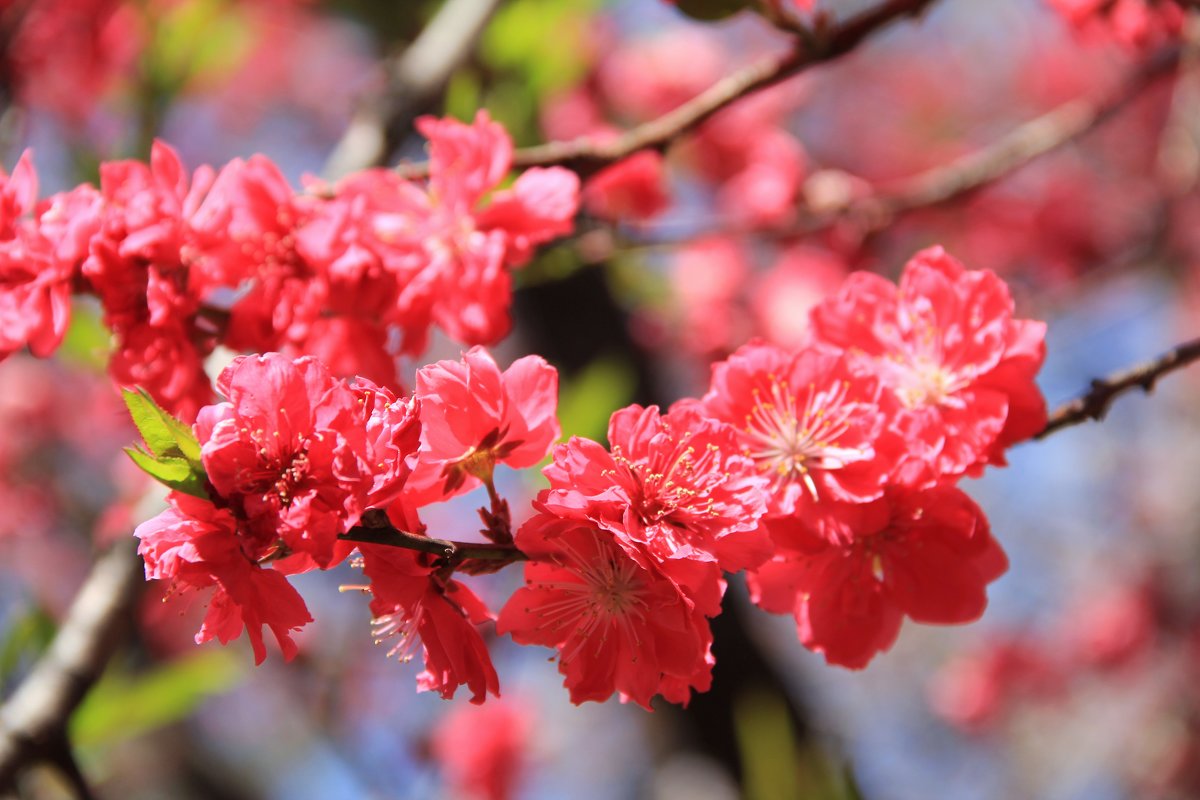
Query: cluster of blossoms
826, 472
183, 263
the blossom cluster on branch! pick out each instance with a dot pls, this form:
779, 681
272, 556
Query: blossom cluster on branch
235, 257
827, 473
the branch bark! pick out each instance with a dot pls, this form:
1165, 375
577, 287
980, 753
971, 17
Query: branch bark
376, 529
414, 79
1094, 404
33, 721
586, 156
983, 167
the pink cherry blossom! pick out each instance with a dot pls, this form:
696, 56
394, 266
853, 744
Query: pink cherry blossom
619, 624
473, 416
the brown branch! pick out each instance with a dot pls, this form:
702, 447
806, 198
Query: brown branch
414, 79
1096, 402
377, 529
983, 167
33, 721
585, 155
937, 186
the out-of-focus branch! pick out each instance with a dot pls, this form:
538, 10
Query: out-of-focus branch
983, 167
33, 721
939, 185
1094, 404
586, 155
1179, 146
414, 78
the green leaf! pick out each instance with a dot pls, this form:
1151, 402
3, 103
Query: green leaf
123, 706
164, 435
148, 421
177, 473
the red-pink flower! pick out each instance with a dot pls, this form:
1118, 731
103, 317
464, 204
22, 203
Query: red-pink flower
812, 425
618, 622
473, 417
411, 603
139, 266
289, 449
946, 344
461, 249
393, 429
484, 750
707, 278
928, 555
35, 281
978, 687
631, 189
195, 545
676, 483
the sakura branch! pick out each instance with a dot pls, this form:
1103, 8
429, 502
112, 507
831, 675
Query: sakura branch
1094, 404
375, 528
33, 721
1028, 142
938, 186
585, 156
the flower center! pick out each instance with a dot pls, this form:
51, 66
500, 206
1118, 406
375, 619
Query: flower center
791, 434
923, 382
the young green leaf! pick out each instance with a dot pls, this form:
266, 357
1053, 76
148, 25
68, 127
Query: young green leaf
164, 435
177, 473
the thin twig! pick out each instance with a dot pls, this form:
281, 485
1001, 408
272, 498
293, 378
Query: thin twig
376, 529
1095, 403
1035, 138
33, 720
414, 79
937, 186
586, 155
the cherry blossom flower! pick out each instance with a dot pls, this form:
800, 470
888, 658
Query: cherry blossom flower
138, 265
473, 417
35, 285
483, 751
289, 449
947, 346
196, 545
633, 188
813, 426
676, 483
412, 604
618, 623
928, 555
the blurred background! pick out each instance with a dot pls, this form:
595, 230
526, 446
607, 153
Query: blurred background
1079, 682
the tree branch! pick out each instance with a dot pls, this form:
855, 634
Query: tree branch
586, 156
937, 186
33, 721
377, 529
414, 79
1035, 138
1096, 402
